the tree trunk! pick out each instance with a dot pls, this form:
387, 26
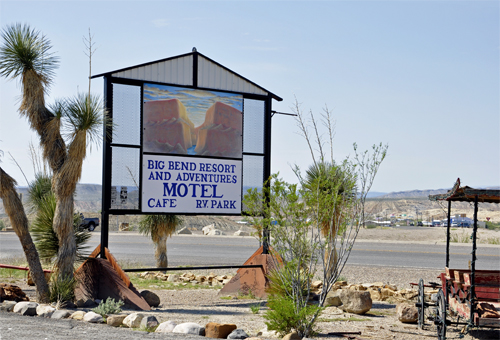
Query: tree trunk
15, 210
63, 227
161, 252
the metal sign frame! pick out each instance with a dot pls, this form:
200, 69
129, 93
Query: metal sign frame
126, 77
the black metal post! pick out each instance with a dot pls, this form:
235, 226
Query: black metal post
473, 264
267, 167
448, 237
106, 169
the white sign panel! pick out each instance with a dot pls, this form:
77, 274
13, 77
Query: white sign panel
190, 185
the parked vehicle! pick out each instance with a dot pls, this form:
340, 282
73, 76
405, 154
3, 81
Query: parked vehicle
88, 223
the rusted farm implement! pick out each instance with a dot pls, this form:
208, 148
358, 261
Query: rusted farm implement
470, 295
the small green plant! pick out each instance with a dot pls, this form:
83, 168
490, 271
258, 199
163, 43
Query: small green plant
492, 225
248, 296
255, 308
148, 329
226, 297
108, 307
283, 316
341, 278
2, 225
62, 289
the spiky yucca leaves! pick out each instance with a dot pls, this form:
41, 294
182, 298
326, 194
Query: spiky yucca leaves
159, 227
37, 190
25, 55
25, 49
14, 209
45, 238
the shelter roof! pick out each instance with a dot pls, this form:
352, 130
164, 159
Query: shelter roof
468, 194
191, 69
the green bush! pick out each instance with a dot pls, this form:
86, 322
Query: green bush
492, 225
283, 317
108, 307
62, 289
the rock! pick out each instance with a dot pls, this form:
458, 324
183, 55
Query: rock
340, 283
187, 328
333, 298
151, 298
200, 278
173, 278
407, 313
184, 231
12, 293
93, 317
166, 327
86, 303
149, 322
391, 287
115, 320
78, 315
207, 229
44, 311
315, 285
375, 294
355, 302
66, 305
218, 331
133, 320
61, 314
216, 232
292, 336
238, 334
20, 305
124, 226
27, 308
385, 293
8, 306
241, 233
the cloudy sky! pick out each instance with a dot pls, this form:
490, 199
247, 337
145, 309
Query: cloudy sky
421, 76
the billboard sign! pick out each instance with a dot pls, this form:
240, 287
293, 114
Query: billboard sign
192, 150
173, 184
184, 121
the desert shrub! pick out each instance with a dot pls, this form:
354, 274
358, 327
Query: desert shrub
283, 316
108, 307
62, 289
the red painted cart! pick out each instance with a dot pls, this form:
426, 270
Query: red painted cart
469, 294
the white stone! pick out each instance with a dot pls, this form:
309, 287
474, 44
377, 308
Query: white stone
93, 317
241, 233
187, 328
166, 327
133, 320
44, 311
184, 231
21, 305
207, 229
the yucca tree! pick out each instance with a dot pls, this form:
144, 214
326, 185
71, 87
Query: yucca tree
25, 55
159, 227
330, 187
15, 210
43, 204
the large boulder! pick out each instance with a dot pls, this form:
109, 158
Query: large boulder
26, 308
93, 317
115, 320
188, 328
78, 315
184, 231
207, 229
151, 298
44, 311
407, 313
238, 334
149, 321
166, 327
60, 314
218, 331
133, 320
12, 293
356, 302
333, 298
8, 306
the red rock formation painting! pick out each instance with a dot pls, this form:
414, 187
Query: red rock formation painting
167, 127
220, 135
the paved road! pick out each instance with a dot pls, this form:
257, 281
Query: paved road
133, 248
